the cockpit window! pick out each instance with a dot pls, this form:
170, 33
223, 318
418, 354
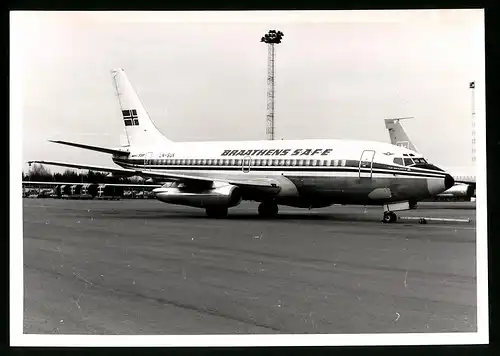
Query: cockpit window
420, 161
408, 161
398, 160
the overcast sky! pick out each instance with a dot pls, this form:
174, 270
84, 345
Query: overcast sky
339, 74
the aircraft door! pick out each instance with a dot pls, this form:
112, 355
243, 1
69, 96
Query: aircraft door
366, 164
147, 160
246, 163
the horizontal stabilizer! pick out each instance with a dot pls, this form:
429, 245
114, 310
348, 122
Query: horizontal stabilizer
93, 148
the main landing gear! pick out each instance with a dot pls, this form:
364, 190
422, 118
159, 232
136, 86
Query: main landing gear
389, 217
268, 209
216, 212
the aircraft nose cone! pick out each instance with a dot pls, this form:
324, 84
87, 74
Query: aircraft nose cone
448, 181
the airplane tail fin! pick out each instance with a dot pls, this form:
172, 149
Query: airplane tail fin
140, 129
398, 134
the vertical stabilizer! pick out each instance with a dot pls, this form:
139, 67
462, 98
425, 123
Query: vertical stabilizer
139, 127
398, 134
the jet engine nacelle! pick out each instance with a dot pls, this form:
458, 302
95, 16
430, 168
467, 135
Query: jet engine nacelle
458, 190
222, 196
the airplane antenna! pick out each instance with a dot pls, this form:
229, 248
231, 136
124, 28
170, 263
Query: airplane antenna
272, 38
472, 87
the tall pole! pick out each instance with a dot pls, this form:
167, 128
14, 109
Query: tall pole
270, 91
272, 38
472, 87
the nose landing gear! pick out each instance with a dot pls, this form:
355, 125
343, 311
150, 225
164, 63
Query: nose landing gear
389, 217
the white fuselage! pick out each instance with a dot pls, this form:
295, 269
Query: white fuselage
311, 172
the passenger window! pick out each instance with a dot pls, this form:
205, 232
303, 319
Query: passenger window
287, 162
343, 163
398, 160
408, 161
280, 162
325, 163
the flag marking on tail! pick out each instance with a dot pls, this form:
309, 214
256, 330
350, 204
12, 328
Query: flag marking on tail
130, 117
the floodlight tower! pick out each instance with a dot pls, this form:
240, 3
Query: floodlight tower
272, 38
472, 87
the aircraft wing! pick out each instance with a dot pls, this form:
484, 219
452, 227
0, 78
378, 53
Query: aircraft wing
121, 171
258, 183
138, 185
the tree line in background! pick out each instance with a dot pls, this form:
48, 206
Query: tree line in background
39, 173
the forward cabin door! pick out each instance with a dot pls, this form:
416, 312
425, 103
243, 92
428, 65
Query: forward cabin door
366, 164
147, 161
245, 164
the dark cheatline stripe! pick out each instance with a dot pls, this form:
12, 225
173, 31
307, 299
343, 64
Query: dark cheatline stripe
349, 164
330, 169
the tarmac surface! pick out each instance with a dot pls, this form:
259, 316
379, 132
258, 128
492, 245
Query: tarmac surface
145, 267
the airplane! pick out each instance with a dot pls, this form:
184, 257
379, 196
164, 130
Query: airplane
465, 182
298, 173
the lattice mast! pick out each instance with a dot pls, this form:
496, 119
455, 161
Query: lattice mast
272, 38
472, 87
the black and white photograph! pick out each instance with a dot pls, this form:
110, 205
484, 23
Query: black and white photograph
241, 178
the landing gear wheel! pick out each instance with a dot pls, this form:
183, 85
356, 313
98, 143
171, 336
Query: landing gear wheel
216, 212
268, 210
389, 217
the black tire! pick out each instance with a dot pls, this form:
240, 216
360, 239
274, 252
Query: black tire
216, 213
387, 218
268, 210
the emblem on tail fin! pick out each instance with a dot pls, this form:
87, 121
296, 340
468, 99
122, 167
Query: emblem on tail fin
130, 117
